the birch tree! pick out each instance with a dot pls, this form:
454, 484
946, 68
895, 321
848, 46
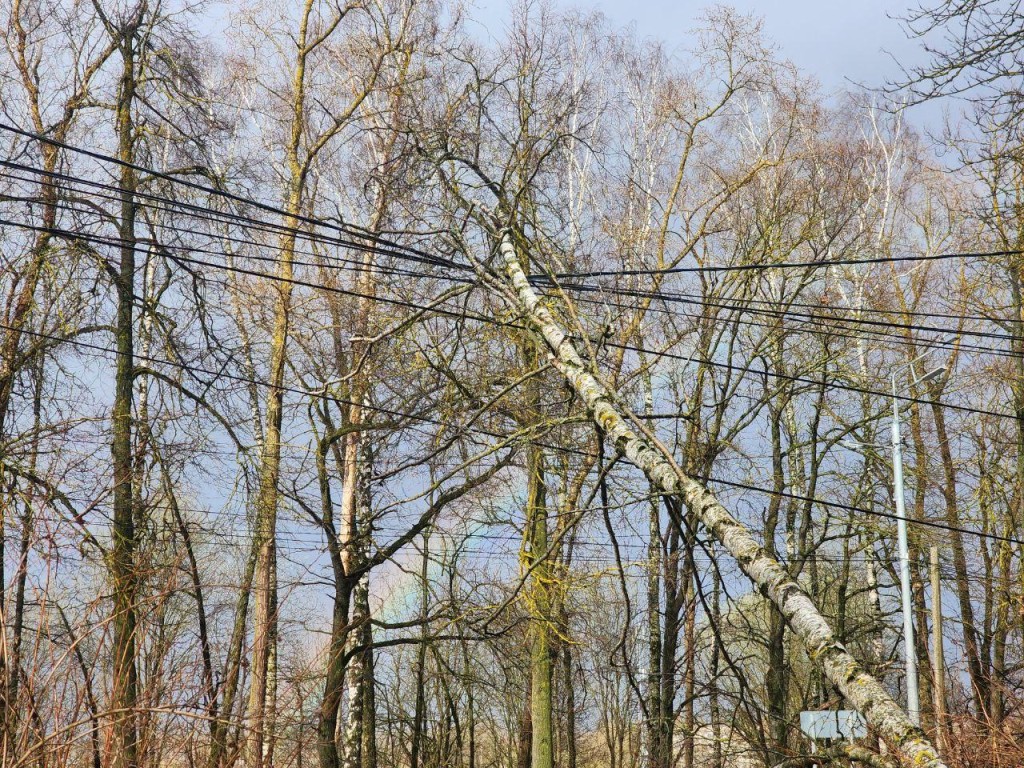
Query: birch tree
862, 690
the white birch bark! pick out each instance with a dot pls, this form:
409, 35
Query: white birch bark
355, 675
354, 682
862, 690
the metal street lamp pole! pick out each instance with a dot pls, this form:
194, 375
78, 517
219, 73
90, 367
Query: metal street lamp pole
909, 649
909, 652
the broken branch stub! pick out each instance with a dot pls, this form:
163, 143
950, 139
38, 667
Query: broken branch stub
861, 689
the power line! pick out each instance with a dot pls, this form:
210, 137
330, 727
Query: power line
780, 312
817, 382
857, 310
875, 513
827, 333
390, 271
210, 215
346, 229
141, 244
327, 261
203, 213
463, 314
356, 230
487, 433
779, 265
168, 204
357, 266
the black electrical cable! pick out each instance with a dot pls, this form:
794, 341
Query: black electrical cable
226, 217
887, 313
212, 215
875, 513
827, 333
141, 243
358, 231
327, 260
780, 265
426, 419
667, 297
805, 380
392, 271
702, 301
462, 315
346, 229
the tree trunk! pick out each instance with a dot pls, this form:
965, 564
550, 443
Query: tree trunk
674, 600
124, 748
776, 678
369, 687
862, 690
359, 673
938, 654
714, 706
263, 668
654, 672
219, 752
541, 668
571, 757
355, 681
921, 486
689, 658
334, 677
975, 665
524, 748
419, 711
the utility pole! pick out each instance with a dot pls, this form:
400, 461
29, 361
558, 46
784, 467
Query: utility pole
909, 653
909, 649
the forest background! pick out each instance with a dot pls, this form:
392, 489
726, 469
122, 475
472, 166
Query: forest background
296, 469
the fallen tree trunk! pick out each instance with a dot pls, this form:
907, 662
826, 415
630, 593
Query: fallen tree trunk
861, 689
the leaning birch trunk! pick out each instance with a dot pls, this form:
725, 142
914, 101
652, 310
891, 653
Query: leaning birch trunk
767, 574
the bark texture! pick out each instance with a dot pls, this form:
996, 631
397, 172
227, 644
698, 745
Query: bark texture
862, 690
124, 534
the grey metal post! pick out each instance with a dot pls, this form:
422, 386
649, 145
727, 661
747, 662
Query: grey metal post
909, 650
